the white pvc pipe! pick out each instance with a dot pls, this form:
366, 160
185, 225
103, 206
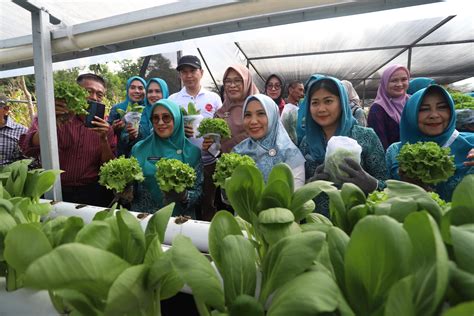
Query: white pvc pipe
194, 229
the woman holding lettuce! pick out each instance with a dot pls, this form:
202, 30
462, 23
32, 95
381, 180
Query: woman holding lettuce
166, 141
268, 142
429, 117
329, 114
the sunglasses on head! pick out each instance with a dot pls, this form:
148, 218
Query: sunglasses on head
166, 118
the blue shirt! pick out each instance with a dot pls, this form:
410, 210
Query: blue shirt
9, 137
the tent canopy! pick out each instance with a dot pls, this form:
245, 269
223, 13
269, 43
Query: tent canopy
349, 40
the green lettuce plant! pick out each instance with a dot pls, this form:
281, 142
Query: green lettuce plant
191, 110
426, 162
74, 96
226, 165
174, 175
117, 174
215, 126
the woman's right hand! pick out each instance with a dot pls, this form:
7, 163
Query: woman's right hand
208, 141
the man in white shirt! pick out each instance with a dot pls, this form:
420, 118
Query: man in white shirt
289, 115
208, 102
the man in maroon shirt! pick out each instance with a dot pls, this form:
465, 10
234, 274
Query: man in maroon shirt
82, 150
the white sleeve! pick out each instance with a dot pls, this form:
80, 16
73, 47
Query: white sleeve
299, 176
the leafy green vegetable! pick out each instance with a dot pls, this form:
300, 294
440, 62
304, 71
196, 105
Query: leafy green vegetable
333, 162
461, 100
175, 175
135, 107
426, 162
226, 165
116, 174
74, 96
216, 126
191, 110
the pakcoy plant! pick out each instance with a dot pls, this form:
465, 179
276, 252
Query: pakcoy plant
192, 110
20, 193
272, 266
131, 107
108, 267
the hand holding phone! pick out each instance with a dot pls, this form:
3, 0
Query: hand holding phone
95, 109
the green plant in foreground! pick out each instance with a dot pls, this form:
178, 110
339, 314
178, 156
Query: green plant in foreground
426, 162
191, 110
174, 175
216, 126
226, 165
116, 174
74, 96
107, 267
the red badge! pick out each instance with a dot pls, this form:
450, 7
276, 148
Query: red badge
209, 107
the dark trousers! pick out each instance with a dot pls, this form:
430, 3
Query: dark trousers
90, 194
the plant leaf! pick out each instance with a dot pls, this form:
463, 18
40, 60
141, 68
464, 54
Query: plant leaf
352, 195
238, 268
400, 299
462, 282
429, 262
310, 293
132, 237
460, 310
7, 222
244, 190
223, 224
276, 194
23, 245
246, 305
97, 234
157, 224
306, 193
337, 241
197, 272
463, 246
288, 258
163, 275
79, 267
377, 256
129, 287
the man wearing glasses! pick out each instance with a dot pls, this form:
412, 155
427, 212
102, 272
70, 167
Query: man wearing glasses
82, 150
10, 132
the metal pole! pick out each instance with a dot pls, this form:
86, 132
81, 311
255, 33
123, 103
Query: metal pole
363, 94
409, 59
45, 96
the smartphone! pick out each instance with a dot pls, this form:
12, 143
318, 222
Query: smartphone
95, 109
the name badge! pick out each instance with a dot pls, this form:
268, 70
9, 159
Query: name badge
153, 159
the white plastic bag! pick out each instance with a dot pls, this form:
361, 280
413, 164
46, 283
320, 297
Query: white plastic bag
133, 118
338, 148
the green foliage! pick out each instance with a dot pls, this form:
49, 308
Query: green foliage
461, 100
191, 110
172, 174
135, 107
333, 162
116, 174
426, 162
74, 96
226, 165
214, 125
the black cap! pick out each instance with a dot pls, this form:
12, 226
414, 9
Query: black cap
3, 100
189, 60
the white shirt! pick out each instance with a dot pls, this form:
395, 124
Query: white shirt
206, 101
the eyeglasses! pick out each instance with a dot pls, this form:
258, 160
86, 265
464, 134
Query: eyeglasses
273, 86
166, 118
236, 82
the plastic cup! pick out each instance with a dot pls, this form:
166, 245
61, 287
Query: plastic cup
193, 120
133, 118
215, 148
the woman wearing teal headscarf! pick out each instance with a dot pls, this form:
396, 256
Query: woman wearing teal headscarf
269, 143
429, 117
173, 145
135, 93
156, 89
328, 114
416, 84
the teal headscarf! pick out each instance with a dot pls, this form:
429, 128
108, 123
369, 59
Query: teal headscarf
177, 146
276, 146
146, 125
123, 105
459, 143
419, 83
314, 133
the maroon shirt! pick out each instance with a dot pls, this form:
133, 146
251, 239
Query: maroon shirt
79, 151
384, 126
